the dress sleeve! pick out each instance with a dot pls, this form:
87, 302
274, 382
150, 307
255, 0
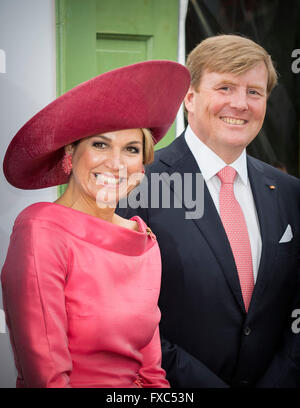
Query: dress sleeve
151, 374
33, 280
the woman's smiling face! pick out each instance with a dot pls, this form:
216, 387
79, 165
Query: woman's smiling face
106, 167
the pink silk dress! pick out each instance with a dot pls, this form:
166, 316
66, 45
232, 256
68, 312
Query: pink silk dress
80, 296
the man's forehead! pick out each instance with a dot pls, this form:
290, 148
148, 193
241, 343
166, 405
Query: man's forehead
257, 74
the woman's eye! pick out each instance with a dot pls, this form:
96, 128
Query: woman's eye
99, 145
132, 149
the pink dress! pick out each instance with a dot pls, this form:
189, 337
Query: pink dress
80, 297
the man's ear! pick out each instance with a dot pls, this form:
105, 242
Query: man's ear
189, 100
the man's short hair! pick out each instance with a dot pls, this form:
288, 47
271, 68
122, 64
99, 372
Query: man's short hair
228, 54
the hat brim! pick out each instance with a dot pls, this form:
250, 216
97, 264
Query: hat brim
143, 95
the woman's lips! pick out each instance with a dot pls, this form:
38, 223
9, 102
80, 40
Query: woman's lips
102, 179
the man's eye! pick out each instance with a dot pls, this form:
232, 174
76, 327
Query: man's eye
224, 88
253, 92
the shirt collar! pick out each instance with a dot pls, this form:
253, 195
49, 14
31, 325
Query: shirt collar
209, 162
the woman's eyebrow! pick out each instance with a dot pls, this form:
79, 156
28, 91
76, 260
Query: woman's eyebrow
104, 137
109, 139
135, 142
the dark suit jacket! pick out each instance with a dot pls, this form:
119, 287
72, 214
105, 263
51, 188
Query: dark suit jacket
208, 340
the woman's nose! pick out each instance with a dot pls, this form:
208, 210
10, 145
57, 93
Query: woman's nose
115, 161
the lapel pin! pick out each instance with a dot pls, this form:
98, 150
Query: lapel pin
272, 187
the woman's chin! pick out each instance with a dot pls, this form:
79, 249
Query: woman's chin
108, 198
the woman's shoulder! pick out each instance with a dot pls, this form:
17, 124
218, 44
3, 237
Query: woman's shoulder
43, 216
42, 211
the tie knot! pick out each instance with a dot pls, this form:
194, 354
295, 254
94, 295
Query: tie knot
227, 175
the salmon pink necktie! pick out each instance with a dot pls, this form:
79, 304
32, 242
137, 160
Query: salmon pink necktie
236, 229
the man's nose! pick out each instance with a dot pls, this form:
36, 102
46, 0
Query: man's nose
239, 100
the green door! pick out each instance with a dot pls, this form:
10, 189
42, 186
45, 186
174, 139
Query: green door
95, 36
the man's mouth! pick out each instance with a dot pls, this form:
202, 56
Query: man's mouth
233, 121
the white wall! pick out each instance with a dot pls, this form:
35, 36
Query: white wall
27, 84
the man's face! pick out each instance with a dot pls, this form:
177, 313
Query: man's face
227, 111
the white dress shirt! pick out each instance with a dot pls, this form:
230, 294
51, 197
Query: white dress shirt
210, 164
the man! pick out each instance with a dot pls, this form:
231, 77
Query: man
230, 280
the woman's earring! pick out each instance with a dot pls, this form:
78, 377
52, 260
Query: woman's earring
67, 163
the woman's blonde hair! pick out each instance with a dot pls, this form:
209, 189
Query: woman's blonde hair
148, 146
228, 54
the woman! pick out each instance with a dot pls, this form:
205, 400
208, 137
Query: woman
81, 284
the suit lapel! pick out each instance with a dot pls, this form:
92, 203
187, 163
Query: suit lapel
265, 194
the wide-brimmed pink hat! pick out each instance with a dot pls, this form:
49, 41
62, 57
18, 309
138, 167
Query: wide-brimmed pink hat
143, 95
